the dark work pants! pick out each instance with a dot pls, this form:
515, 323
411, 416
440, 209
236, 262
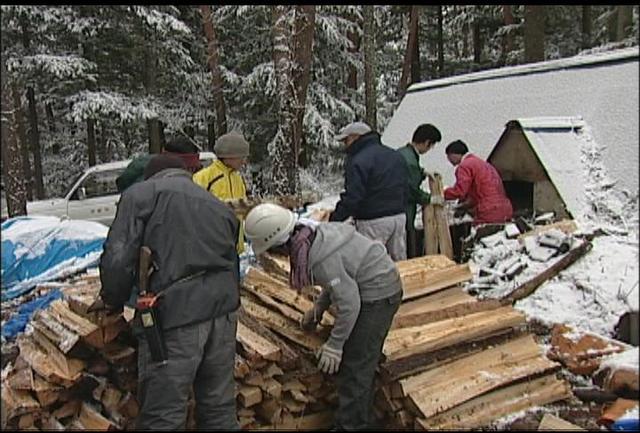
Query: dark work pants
360, 357
200, 355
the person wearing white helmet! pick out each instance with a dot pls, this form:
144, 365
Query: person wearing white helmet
358, 277
222, 178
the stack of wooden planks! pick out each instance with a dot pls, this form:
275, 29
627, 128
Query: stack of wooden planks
454, 362
280, 388
451, 361
76, 368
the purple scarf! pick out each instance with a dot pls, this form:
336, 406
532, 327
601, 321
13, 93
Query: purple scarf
299, 245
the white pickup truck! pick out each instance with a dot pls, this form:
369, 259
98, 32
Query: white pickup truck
93, 195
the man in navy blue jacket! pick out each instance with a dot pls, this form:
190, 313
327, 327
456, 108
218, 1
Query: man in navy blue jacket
375, 189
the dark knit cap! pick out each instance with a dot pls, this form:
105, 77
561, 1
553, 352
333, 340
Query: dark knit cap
161, 162
180, 144
458, 147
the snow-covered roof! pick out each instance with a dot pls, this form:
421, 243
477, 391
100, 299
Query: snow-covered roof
600, 88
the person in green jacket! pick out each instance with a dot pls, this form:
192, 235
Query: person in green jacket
424, 138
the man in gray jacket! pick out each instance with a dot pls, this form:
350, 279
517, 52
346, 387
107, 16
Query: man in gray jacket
192, 236
358, 277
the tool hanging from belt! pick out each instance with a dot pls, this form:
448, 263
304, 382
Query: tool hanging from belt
146, 305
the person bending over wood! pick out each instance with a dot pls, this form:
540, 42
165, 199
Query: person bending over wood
358, 277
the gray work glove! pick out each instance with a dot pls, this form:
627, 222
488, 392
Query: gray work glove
310, 320
329, 359
437, 200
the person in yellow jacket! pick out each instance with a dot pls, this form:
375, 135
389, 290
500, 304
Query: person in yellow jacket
222, 178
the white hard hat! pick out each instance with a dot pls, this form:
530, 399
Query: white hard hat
268, 225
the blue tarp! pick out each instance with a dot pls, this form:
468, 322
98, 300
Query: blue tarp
42, 248
19, 320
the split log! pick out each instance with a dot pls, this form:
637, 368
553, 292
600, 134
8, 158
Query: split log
289, 358
567, 226
407, 341
47, 360
315, 421
445, 245
249, 395
16, 403
528, 287
430, 262
422, 282
430, 225
21, 379
92, 419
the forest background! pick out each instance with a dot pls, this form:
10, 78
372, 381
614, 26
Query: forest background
83, 85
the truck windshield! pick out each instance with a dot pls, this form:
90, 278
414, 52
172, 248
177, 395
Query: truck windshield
68, 191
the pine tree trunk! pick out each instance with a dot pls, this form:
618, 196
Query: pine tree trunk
409, 52
214, 67
91, 141
34, 136
416, 69
305, 24
354, 37
155, 135
370, 80
16, 193
507, 41
612, 23
24, 143
625, 17
465, 40
440, 42
102, 144
534, 33
587, 26
477, 40
284, 161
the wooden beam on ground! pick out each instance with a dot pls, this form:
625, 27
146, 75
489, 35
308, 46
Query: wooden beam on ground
552, 422
450, 385
423, 282
482, 410
403, 342
528, 287
394, 370
445, 304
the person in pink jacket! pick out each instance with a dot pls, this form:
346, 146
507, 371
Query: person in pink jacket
478, 186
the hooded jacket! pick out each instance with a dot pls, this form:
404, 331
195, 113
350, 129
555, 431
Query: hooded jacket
375, 183
351, 269
224, 183
192, 236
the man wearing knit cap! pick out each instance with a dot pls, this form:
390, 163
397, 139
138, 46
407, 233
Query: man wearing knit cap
192, 237
179, 146
375, 189
222, 178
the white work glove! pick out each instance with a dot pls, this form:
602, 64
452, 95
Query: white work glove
309, 320
437, 200
329, 359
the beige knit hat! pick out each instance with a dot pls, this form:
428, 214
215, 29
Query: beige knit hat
231, 145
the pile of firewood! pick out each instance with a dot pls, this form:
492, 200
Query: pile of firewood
76, 368
454, 362
451, 361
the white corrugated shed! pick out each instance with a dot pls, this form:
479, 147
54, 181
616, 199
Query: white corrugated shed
600, 88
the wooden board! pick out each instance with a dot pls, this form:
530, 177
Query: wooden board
432, 261
442, 388
445, 246
430, 225
552, 422
256, 345
421, 282
403, 342
481, 411
281, 325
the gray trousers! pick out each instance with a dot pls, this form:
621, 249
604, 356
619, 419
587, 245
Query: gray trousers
390, 231
360, 357
199, 356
